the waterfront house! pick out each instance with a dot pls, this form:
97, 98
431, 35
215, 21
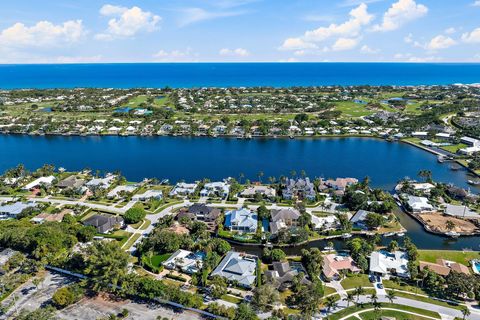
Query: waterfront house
421, 187
470, 150
12, 210
101, 183
147, 195
265, 191
472, 142
335, 265
358, 219
325, 223
71, 182
215, 189
284, 273
419, 134
282, 219
47, 181
239, 268
300, 188
338, 185
444, 267
202, 212
443, 136
241, 220
104, 223
183, 189
185, 261
419, 204
386, 264
118, 190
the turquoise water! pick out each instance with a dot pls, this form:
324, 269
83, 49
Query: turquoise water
234, 74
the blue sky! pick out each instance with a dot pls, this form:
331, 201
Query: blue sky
67, 31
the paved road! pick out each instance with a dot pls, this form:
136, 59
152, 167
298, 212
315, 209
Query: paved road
445, 313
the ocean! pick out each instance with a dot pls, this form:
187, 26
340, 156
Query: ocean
187, 75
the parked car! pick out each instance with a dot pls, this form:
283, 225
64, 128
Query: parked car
380, 286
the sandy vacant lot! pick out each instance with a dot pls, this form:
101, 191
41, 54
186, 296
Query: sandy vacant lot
438, 222
101, 306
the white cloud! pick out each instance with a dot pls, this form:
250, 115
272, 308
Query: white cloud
440, 42
400, 13
296, 44
451, 30
176, 56
194, 15
238, 52
42, 34
346, 32
343, 44
127, 22
476, 3
472, 37
367, 50
359, 17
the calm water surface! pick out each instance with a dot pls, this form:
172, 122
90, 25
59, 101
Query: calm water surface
185, 158
178, 158
181, 75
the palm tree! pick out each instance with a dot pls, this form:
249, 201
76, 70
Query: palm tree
358, 292
391, 296
426, 174
450, 225
349, 298
293, 173
330, 303
373, 298
260, 175
465, 312
240, 177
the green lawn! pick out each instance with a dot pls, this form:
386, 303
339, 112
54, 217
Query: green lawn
158, 259
131, 241
355, 281
454, 147
372, 315
352, 110
230, 298
329, 290
350, 310
451, 255
402, 286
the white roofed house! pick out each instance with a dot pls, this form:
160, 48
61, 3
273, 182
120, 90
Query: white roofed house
386, 264
183, 189
186, 261
218, 189
241, 220
118, 190
265, 191
147, 195
12, 210
47, 181
419, 204
237, 267
102, 183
